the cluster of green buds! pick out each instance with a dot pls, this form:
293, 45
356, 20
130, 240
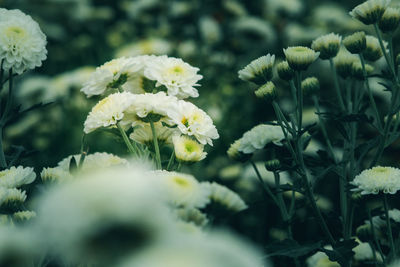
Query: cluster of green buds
260, 72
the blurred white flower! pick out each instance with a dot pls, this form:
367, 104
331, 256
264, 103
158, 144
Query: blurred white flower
377, 179
22, 43
364, 252
209, 29
225, 197
320, 259
216, 249
183, 190
175, 74
259, 136
101, 216
151, 46
142, 133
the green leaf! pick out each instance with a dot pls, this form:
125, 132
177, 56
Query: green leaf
290, 248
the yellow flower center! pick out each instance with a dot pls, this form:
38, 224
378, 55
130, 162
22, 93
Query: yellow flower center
380, 169
180, 181
15, 31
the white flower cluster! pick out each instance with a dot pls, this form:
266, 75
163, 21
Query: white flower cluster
10, 181
378, 179
92, 162
22, 43
127, 73
167, 112
259, 136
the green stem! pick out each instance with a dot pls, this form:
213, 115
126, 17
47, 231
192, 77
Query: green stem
3, 163
171, 160
266, 188
156, 147
371, 98
371, 222
299, 101
293, 91
336, 84
126, 139
388, 61
389, 226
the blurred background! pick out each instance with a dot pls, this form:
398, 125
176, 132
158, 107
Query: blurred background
218, 36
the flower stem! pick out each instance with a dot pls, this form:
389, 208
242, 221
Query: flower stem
389, 226
156, 147
266, 188
336, 83
126, 139
171, 160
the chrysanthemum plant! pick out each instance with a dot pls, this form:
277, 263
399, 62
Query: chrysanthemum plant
341, 124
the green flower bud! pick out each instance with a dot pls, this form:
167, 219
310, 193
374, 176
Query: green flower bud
234, 153
267, 91
273, 165
300, 57
284, 71
327, 45
370, 11
357, 71
373, 50
390, 20
310, 86
259, 71
355, 43
344, 62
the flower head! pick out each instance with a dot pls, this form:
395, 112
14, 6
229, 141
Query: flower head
108, 111
183, 190
378, 179
112, 74
193, 121
284, 71
357, 70
22, 43
176, 75
390, 20
310, 85
328, 45
355, 43
344, 63
259, 70
16, 177
142, 133
370, 11
259, 136
187, 149
266, 91
373, 50
225, 197
300, 57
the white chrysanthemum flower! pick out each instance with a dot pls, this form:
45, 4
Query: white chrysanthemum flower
112, 74
147, 106
22, 43
364, 252
193, 121
125, 205
11, 196
328, 45
259, 136
373, 49
210, 29
183, 189
175, 74
108, 111
92, 162
16, 177
259, 70
152, 46
188, 150
54, 174
370, 11
287, 7
300, 57
225, 197
142, 133
192, 215
24, 215
216, 249
378, 179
